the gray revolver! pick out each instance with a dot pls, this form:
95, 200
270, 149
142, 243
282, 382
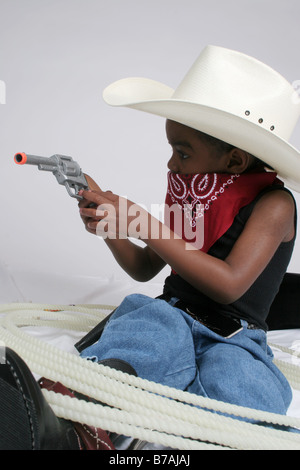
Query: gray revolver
65, 169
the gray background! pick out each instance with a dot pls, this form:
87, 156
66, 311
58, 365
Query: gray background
56, 57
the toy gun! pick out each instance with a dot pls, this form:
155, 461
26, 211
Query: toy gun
65, 169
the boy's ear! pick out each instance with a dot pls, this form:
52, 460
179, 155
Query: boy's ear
238, 161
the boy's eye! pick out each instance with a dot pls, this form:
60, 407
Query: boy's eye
182, 155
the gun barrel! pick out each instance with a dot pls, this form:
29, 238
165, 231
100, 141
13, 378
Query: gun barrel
65, 169
22, 158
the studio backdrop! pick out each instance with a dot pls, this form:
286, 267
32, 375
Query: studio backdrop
56, 57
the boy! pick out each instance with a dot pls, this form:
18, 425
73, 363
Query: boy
156, 339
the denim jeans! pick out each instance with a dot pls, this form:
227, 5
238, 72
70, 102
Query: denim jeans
166, 345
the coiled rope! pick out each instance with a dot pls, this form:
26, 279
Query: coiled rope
136, 407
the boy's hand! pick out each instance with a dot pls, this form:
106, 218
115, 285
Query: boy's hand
91, 209
91, 183
110, 216
84, 203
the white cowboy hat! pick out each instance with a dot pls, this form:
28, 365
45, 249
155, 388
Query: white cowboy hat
227, 95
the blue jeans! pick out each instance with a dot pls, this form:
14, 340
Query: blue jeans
165, 345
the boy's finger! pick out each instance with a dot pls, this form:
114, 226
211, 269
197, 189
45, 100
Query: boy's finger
83, 203
99, 197
89, 212
91, 196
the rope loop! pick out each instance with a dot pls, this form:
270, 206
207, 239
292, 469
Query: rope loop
136, 407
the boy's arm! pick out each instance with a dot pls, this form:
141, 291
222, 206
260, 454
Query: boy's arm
270, 224
141, 263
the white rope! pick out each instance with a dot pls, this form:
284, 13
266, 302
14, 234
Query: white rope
137, 407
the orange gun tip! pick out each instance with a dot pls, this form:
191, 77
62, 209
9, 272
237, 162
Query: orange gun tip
20, 158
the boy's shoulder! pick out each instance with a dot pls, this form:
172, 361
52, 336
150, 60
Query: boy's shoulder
278, 195
277, 207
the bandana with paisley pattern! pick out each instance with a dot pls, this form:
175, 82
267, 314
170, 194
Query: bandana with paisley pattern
200, 208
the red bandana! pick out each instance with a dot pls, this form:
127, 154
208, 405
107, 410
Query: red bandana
200, 208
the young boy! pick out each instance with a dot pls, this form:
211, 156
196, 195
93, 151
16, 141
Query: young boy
206, 333
184, 346
227, 121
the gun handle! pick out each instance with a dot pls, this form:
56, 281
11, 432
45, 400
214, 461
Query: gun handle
91, 183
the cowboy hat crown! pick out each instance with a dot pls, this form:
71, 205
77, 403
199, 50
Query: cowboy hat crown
230, 96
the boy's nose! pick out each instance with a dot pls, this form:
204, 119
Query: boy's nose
172, 165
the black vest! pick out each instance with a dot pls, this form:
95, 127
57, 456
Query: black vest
254, 305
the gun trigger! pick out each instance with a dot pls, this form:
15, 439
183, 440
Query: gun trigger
71, 193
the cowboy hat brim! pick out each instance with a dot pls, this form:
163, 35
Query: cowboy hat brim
156, 98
